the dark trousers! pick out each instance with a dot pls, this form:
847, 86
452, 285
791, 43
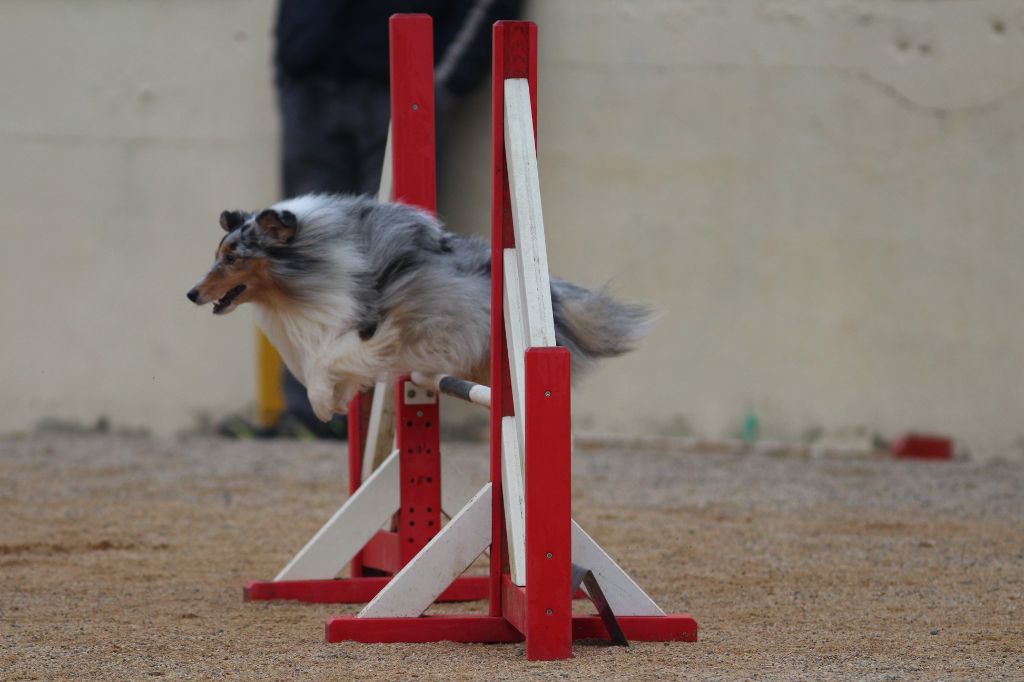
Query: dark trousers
333, 140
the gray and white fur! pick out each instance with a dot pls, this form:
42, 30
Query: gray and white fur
365, 291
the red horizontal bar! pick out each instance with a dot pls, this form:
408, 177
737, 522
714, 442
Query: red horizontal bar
680, 627
383, 553
354, 590
485, 629
472, 628
920, 446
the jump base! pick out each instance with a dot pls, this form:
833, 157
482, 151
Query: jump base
494, 629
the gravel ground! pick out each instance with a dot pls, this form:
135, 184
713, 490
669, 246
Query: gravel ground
124, 557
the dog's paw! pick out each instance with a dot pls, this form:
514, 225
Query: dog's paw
343, 395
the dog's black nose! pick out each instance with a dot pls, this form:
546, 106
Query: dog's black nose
193, 295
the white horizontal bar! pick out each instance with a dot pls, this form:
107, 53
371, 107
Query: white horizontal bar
455, 387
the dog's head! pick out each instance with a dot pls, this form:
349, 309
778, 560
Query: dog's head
242, 268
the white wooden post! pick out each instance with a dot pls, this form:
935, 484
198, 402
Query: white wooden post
448, 554
527, 216
350, 528
514, 498
625, 597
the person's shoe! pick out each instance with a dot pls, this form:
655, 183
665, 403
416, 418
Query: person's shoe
293, 425
241, 428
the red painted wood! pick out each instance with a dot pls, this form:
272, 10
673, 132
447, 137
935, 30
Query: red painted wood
471, 628
679, 627
548, 504
514, 53
491, 629
383, 552
356, 438
513, 603
419, 444
414, 165
354, 590
920, 446
414, 182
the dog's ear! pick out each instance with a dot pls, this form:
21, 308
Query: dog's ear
232, 220
279, 225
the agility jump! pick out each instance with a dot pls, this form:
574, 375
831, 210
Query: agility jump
539, 557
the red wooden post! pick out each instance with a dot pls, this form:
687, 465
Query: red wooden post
414, 165
514, 56
414, 171
356, 438
548, 504
419, 446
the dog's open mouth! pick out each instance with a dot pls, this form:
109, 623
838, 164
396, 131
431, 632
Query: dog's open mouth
225, 301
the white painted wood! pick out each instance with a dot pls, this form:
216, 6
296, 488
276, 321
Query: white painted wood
513, 495
384, 192
625, 597
380, 430
350, 528
515, 337
441, 561
527, 216
478, 393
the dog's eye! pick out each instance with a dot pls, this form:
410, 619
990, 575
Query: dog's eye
230, 259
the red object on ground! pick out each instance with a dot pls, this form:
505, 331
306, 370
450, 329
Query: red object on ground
920, 446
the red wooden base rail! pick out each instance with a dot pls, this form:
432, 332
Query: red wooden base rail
495, 629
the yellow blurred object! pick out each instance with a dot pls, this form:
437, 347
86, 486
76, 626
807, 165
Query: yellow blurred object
270, 400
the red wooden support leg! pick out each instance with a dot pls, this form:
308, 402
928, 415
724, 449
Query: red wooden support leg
548, 505
356, 438
419, 443
514, 53
414, 165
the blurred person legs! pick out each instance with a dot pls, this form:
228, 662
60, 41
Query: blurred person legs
333, 140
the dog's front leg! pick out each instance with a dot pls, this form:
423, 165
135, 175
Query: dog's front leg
344, 392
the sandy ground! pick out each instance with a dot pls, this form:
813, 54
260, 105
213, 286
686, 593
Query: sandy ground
124, 558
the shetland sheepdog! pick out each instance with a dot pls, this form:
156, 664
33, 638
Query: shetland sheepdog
351, 291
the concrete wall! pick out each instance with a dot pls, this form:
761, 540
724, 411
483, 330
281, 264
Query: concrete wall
822, 198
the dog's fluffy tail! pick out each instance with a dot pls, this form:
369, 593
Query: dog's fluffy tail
593, 325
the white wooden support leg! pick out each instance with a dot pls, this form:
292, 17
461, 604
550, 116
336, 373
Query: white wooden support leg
625, 597
514, 499
384, 189
527, 215
350, 528
380, 430
515, 336
441, 561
